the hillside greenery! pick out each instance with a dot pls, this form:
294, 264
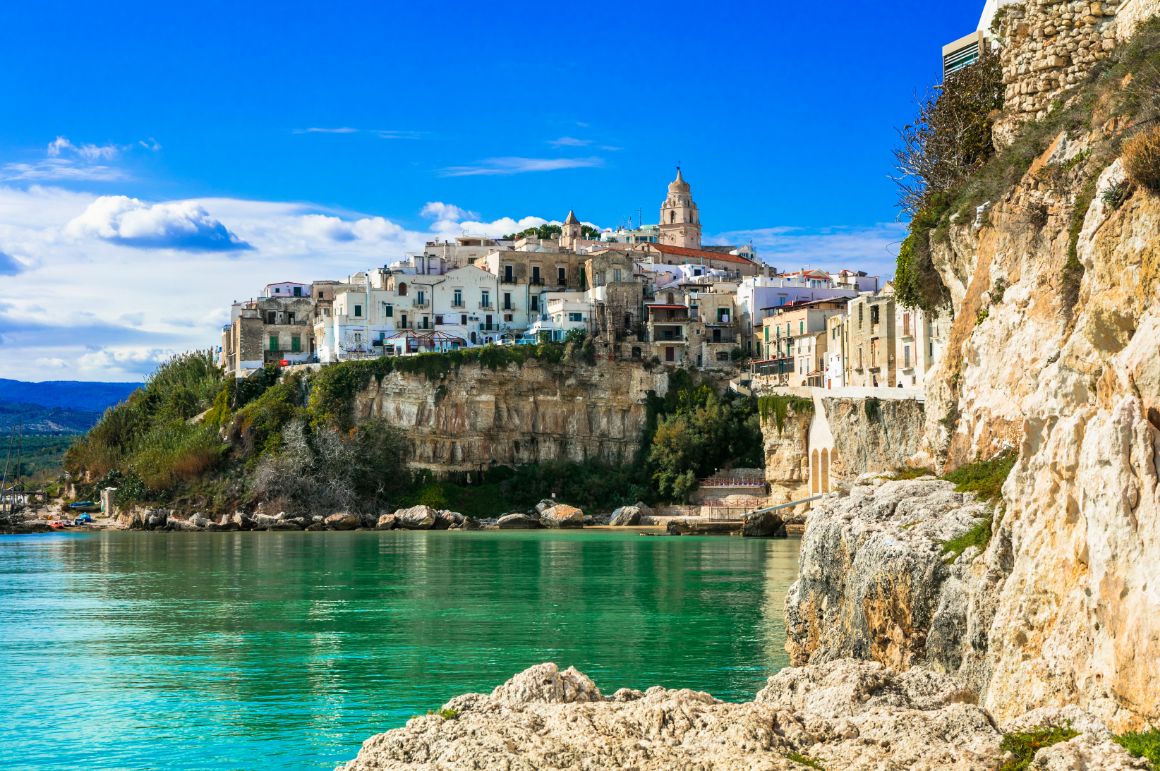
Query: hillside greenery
193, 437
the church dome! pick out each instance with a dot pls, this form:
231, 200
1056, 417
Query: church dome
679, 185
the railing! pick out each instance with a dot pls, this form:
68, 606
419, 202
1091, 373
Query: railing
486, 307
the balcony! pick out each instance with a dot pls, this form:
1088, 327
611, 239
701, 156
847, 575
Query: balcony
421, 303
536, 281
486, 307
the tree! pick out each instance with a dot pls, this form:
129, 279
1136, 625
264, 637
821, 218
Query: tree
951, 135
589, 232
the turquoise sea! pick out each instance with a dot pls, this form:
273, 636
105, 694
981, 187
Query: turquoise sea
287, 650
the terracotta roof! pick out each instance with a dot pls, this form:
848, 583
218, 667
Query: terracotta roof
666, 307
684, 251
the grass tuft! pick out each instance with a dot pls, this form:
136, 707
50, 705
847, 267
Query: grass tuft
984, 478
979, 535
804, 760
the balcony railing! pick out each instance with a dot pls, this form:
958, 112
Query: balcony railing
486, 307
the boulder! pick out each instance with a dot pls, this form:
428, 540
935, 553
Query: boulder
518, 522
645, 510
562, 515
241, 520
342, 521
763, 524
471, 524
625, 516
315, 527
200, 521
446, 520
156, 519
387, 522
544, 505
701, 527
180, 524
266, 521
417, 518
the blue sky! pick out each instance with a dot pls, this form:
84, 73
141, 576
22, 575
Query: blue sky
147, 145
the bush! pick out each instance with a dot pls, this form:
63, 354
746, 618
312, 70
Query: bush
1141, 158
1142, 744
951, 136
1024, 744
979, 535
984, 478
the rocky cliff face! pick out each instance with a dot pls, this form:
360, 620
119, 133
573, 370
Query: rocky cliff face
860, 435
1054, 353
475, 417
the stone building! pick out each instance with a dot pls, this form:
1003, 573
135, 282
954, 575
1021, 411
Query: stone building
790, 345
870, 331
268, 330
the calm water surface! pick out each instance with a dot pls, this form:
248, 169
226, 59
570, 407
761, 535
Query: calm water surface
287, 650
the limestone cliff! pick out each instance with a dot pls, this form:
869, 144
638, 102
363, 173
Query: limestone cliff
474, 417
858, 435
1053, 352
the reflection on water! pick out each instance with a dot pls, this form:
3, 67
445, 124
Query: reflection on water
257, 650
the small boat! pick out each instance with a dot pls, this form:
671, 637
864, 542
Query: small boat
85, 506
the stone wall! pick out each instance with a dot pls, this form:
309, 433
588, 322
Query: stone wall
476, 417
1048, 46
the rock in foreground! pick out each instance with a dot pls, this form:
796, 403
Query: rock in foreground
843, 714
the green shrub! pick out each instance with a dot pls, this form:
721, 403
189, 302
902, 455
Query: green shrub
445, 713
1142, 744
979, 535
1023, 745
873, 409
911, 473
984, 478
804, 760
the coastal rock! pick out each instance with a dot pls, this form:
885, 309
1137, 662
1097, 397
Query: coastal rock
518, 522
763, 524
625, 516
470, 523
387, 522
544, 505
701, 527
875, 583
200, 521
156, 519
416, 518
180, 524
447, 520
845, 714
342, 521
562, 515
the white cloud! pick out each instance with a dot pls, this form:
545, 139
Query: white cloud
338, 130
67, 161
518, 165
124, 362
61, 146
873, 249
179, 225
380, 133
445, 211
569, 142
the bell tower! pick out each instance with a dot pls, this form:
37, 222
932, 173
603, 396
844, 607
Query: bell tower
570, 235
680, 221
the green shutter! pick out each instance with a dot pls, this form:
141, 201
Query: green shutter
296, 344
273, 342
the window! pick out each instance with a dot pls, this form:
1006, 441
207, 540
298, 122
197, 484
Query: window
273, 342
388, 310
860, 307
801, 327
297, 291
535, 302
485, 299
423, 323
290, 318
508, 273
906, 356
295, 343
561, 276
535, 274
457, 298
575, 317
271, 317
402, 290
616, 275
507, 317
507, 301
438, 320
358, 310
874, 314
420, 297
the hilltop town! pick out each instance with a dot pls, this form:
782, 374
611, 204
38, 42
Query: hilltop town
651, 293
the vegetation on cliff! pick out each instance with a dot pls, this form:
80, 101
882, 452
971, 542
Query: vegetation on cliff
193, 437
942, 183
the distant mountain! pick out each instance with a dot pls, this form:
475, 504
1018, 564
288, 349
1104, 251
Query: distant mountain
35, 419
66, 394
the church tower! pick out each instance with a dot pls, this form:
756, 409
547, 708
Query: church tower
571, 232
680, 220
